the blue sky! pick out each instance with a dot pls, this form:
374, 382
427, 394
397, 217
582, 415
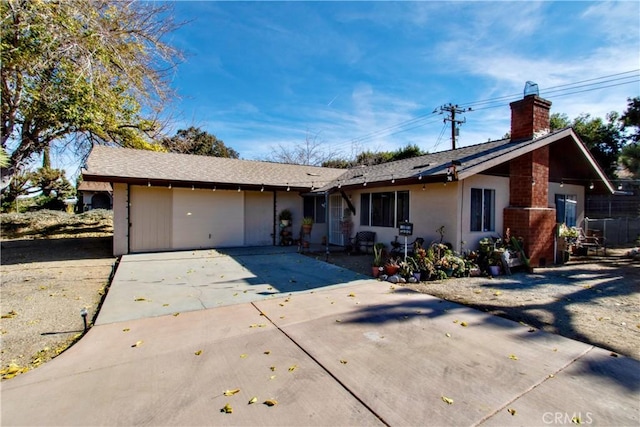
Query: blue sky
260, 74
368, 75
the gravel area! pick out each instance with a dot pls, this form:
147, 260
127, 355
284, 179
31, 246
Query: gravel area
45, 284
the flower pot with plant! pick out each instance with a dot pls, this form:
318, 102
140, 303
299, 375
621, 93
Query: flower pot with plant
285, 217
392, 266
377, 264
307, 224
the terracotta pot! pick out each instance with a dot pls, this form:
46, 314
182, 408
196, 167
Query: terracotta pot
306, 229
391, 269
375, 271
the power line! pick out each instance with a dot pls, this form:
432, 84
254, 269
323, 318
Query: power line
596, 83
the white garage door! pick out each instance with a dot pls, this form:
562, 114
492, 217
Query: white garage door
171, 219
150, 218
259, 219
207, 219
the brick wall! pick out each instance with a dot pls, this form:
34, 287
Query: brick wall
529, 178
536, 226
528, 215
529, 115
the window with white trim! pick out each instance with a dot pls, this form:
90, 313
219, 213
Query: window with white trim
566, 209
384, 209
483, 209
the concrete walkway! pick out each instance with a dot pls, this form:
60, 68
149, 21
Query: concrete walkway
356, 352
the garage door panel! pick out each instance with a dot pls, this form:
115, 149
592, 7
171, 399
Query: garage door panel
259, 219
206, 219
151, 219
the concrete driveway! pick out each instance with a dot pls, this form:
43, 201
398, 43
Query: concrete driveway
177, 330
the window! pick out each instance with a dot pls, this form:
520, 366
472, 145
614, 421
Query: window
483, 208
566, 209
314, 207
384, 209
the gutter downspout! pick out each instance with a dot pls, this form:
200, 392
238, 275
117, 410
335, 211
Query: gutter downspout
327, 220
273, 222
129, 218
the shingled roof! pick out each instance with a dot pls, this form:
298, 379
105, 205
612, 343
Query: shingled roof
110, 164
469, 161
114, 164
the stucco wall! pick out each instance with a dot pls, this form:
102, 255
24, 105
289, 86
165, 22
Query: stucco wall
501, 187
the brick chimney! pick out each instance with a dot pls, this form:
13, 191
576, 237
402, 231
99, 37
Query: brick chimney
529, 116
529, 215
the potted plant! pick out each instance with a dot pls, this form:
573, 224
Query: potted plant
424, 263
378, 262
408, 268
285, 217
307, 224
391, 267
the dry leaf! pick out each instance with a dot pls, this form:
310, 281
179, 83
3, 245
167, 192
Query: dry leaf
139, 299
272, 377
227, 409
344, 362
10, 315
271, 402
463, 324
497, 293
447, 400
448, 335
293, 368
273, 368
243, 356
513, 357
137, 344
176, 314
165, 305
352, 295
126, 330
198, 353
511, 411
231, 392
455, 321
253, 400
267, 352
576, 420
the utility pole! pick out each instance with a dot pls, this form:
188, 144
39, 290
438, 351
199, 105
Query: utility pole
453, 110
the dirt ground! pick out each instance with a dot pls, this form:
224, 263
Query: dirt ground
47, 282
590, 299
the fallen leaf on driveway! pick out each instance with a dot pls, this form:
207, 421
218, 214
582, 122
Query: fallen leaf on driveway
10, 315
447, 400
352, 295
227, 409
271, 402
293, 368
253, 400
511, 411
137, 344
513, 357
198, 353
231, 392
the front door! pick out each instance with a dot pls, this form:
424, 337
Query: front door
335, 220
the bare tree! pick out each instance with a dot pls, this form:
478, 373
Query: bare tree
312, 152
